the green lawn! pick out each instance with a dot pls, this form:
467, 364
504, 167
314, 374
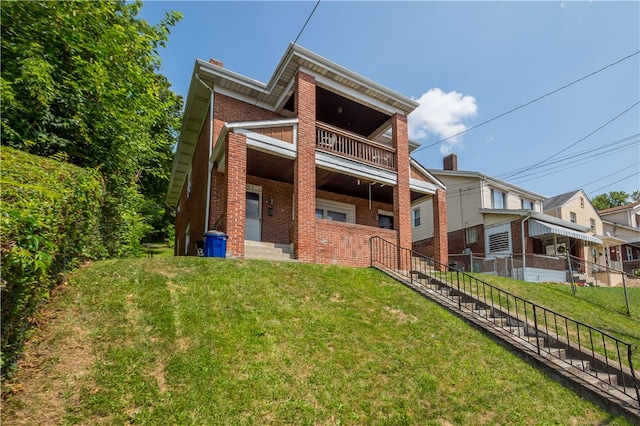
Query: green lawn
202, 341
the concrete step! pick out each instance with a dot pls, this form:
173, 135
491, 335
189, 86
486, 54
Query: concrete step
266, 251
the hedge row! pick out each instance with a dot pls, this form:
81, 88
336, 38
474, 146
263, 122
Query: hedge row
50, 220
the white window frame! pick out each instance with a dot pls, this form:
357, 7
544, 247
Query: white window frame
187, 238
415, 218
335, 206
497, 230
471, 234
524, 200
573, 217
189, 183
494, 192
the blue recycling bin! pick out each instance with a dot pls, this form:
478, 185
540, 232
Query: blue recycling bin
215, 244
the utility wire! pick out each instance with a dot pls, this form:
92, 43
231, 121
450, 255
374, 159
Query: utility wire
528, 103
613, 183
609, 175
261, 94
575, 143
559, 164
305, 24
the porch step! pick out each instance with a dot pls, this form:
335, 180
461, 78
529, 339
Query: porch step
267, 251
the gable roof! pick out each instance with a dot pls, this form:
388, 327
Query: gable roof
559, 200
610, 210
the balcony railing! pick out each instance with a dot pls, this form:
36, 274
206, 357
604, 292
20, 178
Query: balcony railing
336, 141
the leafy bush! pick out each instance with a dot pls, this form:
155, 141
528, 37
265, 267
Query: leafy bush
49, 222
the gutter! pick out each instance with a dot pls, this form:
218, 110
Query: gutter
209, 163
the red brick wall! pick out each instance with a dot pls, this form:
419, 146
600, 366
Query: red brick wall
193, 208
441, 248
277, 227
457, 241
305, 169
346, 244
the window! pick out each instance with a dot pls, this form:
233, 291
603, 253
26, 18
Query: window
592, 222
416, 218
187, 237
188, 183
331, 215
499, 242
385, 221
572, 217
498, 199
629, 253
582, 202
637, 220
472, 235
335, 211
527, 204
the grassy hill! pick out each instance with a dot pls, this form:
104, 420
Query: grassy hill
211, 341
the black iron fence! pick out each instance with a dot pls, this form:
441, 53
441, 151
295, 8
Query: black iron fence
602, 356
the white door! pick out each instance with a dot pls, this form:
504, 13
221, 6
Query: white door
253, 216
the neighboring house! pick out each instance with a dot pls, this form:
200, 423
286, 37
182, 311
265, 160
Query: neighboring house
576, 207
317, 159
488, 218
623, 222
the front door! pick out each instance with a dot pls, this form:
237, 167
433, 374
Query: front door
254, 215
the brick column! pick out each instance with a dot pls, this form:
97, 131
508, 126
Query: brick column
304, 192
236, 169
401, 192
440, 234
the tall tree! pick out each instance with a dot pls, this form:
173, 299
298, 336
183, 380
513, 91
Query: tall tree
611, 199
80, 79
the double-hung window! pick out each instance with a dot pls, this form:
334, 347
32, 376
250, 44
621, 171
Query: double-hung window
415, 215
527, 204
498, 199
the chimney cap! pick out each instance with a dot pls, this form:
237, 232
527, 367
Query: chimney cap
216, 62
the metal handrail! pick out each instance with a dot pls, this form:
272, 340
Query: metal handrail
594, 351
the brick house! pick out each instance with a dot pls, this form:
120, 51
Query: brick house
317, 160
623, 223
490, 219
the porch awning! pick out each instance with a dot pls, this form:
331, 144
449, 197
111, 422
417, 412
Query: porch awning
537, 229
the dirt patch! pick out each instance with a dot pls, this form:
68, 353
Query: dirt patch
400, 316
53, 369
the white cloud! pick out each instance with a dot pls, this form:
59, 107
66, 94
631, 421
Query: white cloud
440, 114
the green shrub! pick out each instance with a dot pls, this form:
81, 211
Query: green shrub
49, 222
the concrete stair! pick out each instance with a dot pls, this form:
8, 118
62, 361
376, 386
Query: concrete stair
267, 251
583, 369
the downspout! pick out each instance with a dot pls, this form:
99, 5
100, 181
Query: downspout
209, 162
524, 247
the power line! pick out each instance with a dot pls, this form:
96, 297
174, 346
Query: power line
528, 103
575, 160
609, 175
613, 183
575, 143
305, 24
261, 94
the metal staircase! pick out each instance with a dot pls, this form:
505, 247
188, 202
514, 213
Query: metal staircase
588, 359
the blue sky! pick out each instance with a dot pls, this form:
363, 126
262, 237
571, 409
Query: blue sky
466, 63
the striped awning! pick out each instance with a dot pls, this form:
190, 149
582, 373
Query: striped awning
539, 229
